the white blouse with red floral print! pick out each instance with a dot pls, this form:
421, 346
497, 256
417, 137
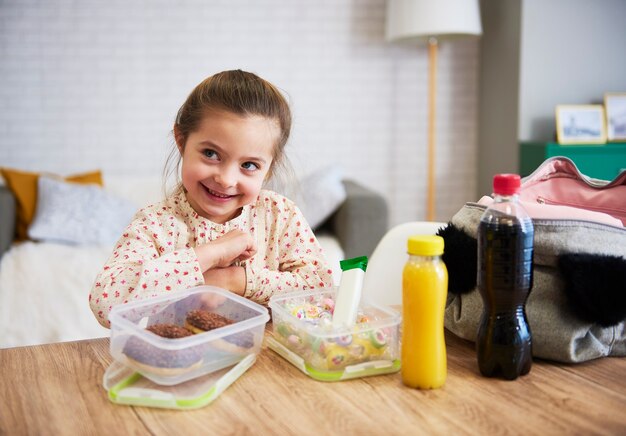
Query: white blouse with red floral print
155, 254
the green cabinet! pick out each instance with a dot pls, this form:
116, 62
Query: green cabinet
600, 161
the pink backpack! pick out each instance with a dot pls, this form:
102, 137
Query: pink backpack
557, 190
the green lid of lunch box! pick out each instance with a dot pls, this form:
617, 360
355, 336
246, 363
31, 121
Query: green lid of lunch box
126, 386
364, 369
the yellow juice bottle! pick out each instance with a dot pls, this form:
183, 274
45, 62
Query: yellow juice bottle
424, 292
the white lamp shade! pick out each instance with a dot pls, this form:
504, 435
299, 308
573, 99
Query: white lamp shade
418, 20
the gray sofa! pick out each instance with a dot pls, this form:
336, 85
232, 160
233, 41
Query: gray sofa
358, 224
7, 219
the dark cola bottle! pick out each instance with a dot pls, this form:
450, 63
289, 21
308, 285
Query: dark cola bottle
505, 277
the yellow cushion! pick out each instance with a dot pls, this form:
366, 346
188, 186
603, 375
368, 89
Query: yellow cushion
23, 185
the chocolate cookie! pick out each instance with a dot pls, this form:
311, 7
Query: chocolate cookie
171, 331
199, 321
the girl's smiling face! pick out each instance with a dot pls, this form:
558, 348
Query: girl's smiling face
225, 162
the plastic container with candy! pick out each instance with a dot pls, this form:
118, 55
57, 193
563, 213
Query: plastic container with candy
304, 335
169, 361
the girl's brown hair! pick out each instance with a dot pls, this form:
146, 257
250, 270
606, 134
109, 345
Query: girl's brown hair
235, 91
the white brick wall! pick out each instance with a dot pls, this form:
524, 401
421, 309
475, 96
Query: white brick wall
96, 84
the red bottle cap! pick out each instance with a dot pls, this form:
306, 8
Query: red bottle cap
506, 184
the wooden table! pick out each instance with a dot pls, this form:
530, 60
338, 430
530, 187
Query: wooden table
57, 389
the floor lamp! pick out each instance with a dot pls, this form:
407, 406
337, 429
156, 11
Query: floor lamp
419, 21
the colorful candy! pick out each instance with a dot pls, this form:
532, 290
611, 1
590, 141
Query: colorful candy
336, 357
312, 311
299, 312
362, 319
328, 304
319, 346
378, 338
326, 351
344, 340
294, 340
284, 329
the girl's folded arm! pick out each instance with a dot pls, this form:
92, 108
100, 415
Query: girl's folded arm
299, 263
299, 275
140, 267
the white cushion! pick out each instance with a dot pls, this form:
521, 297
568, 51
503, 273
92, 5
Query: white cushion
78, 214
333, 252
139, 190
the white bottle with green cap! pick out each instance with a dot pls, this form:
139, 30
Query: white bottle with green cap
349, 292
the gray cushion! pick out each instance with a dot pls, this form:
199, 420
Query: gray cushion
322, 194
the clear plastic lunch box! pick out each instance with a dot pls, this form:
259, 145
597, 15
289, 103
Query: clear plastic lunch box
169, 362
304, 335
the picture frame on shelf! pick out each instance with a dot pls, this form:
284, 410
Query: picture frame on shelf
615, 107
580, 124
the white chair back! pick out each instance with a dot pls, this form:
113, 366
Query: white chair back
382, 283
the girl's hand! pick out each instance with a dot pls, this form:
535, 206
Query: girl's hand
211, 301
235, 245
232, 278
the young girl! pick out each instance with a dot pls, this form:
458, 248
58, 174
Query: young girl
219, 227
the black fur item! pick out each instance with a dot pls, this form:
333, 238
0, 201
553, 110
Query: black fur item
595, 286
460, 256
